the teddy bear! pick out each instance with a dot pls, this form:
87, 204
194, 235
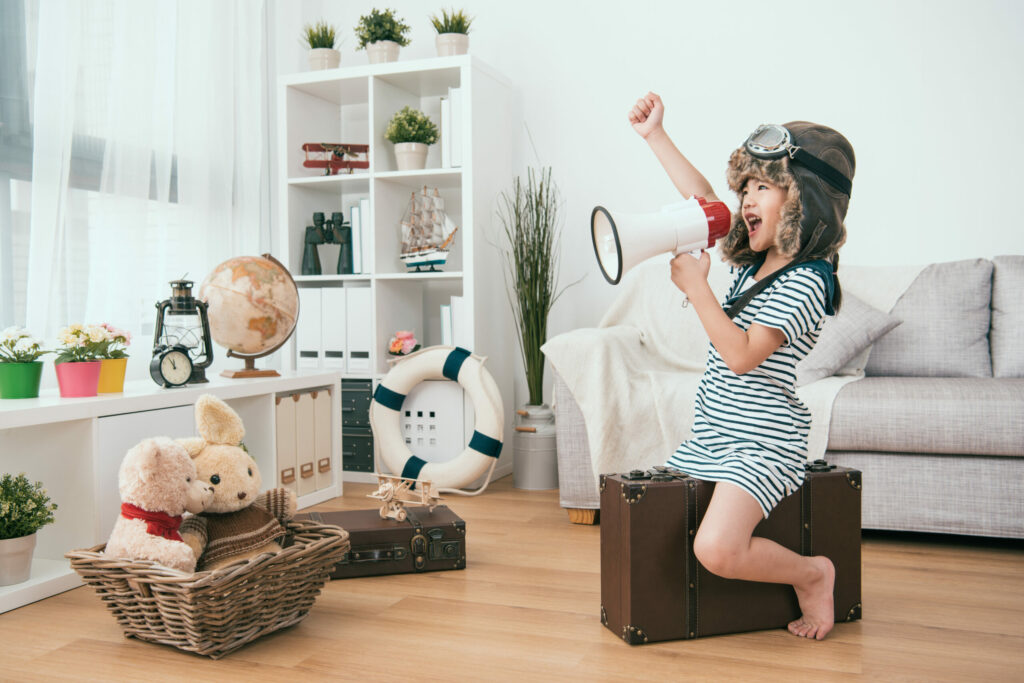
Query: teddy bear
238, 522
158, 483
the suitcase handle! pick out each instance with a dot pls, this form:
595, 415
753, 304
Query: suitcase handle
387, 553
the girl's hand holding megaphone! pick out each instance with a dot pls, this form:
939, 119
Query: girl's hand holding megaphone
690, 273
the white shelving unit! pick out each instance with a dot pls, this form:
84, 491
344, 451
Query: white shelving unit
75, 446
353, 105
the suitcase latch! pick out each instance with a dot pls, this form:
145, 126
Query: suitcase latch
384, 553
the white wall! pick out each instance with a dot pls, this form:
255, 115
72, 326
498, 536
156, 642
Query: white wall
928, 93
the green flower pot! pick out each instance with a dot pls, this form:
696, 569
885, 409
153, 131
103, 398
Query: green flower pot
20, 380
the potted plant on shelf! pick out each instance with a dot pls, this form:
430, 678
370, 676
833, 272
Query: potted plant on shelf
530, 216
321, 40
382, 34
113, 359
77, 363
403, 343
24, 509
412, 132
452, 33
20, 367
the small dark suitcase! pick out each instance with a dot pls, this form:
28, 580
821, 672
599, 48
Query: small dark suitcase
652, 586
426, 541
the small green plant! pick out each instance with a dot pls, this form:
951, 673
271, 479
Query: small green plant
24, 507
411, 125
456, 22
17, 345
320, 34
377, 26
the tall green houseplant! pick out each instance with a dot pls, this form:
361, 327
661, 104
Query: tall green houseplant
530, 217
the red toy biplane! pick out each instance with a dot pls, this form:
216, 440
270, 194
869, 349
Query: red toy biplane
335, 157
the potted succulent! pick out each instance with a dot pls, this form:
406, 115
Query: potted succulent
382, 34
530, 216
321, 40
24, 509
77, 363
412, 132
20, 367
452, 32
113, 359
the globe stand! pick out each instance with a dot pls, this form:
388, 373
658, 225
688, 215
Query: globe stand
250, 367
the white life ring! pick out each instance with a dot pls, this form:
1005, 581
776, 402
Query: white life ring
439, 362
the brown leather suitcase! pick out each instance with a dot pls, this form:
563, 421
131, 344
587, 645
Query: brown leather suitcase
652, 586
426, 541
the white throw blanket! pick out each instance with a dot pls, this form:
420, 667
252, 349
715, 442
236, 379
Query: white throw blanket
635, 376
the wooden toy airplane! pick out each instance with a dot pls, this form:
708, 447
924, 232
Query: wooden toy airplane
395, 492
332, 156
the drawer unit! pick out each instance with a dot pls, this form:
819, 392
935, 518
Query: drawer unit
357, 450
356, 395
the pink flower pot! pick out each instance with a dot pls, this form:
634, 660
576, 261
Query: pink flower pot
78, 379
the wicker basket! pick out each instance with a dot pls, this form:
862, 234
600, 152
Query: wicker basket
216, 612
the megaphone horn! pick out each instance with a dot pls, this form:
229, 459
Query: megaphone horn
622, 240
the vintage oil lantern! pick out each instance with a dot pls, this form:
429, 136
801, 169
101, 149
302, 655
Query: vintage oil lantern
182, 349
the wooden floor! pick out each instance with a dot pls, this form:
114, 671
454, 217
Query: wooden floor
527, 606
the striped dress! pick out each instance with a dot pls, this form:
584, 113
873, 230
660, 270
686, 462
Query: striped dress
751, 430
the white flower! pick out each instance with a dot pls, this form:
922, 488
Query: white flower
26, 344
12, 333
96, 333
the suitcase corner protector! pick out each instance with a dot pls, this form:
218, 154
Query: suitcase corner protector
633, 635
854, 613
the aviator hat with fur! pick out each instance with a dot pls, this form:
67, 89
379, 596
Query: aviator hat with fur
811, 227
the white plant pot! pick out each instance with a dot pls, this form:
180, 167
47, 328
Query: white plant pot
382, 51
16, 559
536, 452
451, 44
324, 58
411, 156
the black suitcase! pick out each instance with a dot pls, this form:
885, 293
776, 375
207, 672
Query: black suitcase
426, 541
652, 586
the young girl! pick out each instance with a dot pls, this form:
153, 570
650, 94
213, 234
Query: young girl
750, 428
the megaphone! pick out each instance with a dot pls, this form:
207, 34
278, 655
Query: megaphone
622, 240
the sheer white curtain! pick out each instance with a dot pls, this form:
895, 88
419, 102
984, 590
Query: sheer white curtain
172, 92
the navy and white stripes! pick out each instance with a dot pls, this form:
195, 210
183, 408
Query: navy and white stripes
751, 430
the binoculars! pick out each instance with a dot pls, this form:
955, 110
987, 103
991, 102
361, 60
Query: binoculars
333, 231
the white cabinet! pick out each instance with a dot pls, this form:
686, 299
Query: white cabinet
353, 106
75, 446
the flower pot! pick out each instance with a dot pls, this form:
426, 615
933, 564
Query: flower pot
410, 156
112, 375
382, 51
536, 453
451, 44
16, 559
324, 58
78, 378
20, 380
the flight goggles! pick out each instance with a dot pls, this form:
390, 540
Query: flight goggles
771, 141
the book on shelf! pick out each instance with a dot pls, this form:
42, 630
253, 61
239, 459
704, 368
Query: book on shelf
446, 133
462, 330
446, 325
456, 118
357, 241
366, 228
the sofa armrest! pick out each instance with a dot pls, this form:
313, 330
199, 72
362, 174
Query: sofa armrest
576, 486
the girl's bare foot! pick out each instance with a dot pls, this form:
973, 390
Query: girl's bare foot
815, 599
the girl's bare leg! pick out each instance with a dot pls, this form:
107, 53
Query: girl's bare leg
725, 546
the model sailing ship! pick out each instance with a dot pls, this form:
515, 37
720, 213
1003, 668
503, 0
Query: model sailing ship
427, 232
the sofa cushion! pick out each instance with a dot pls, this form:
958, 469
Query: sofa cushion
1006, 341
966, 416
843, 338
946, 314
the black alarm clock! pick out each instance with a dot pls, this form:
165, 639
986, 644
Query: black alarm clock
171, 366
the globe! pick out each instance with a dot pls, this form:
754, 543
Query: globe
253, 305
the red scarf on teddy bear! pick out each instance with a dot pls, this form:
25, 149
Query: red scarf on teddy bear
157, 523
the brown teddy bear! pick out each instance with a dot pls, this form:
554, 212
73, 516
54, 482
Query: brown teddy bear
239, 522
158, 483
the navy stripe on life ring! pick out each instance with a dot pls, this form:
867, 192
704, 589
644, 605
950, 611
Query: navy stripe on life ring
388, 398
412, 468
453, 363
487, 445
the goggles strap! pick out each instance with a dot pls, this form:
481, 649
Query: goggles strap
825, 171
